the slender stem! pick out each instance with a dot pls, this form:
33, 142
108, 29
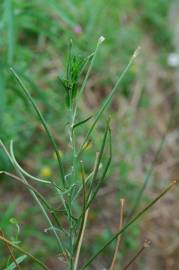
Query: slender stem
82, 216
108, 100
100, 40
98, 165
84, 219
6, 241
73, 173
29, 175
119, 238
35, 197
80, 240
10, 251
87, 180
29, 187
146, 244
93, 196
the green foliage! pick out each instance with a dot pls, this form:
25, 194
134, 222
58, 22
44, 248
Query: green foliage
34, 42
19, 260
153, 18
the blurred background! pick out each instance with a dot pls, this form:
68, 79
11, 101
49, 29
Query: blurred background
34, 39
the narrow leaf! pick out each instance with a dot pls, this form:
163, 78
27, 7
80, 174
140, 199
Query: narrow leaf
42, 120
82, 122
108, 100
20, 259
99, 160
93, 196
22, 170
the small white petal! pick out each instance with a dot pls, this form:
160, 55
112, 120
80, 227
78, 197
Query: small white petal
101, 39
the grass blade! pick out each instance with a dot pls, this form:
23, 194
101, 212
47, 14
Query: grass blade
10, 32
10, 252
20, 259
